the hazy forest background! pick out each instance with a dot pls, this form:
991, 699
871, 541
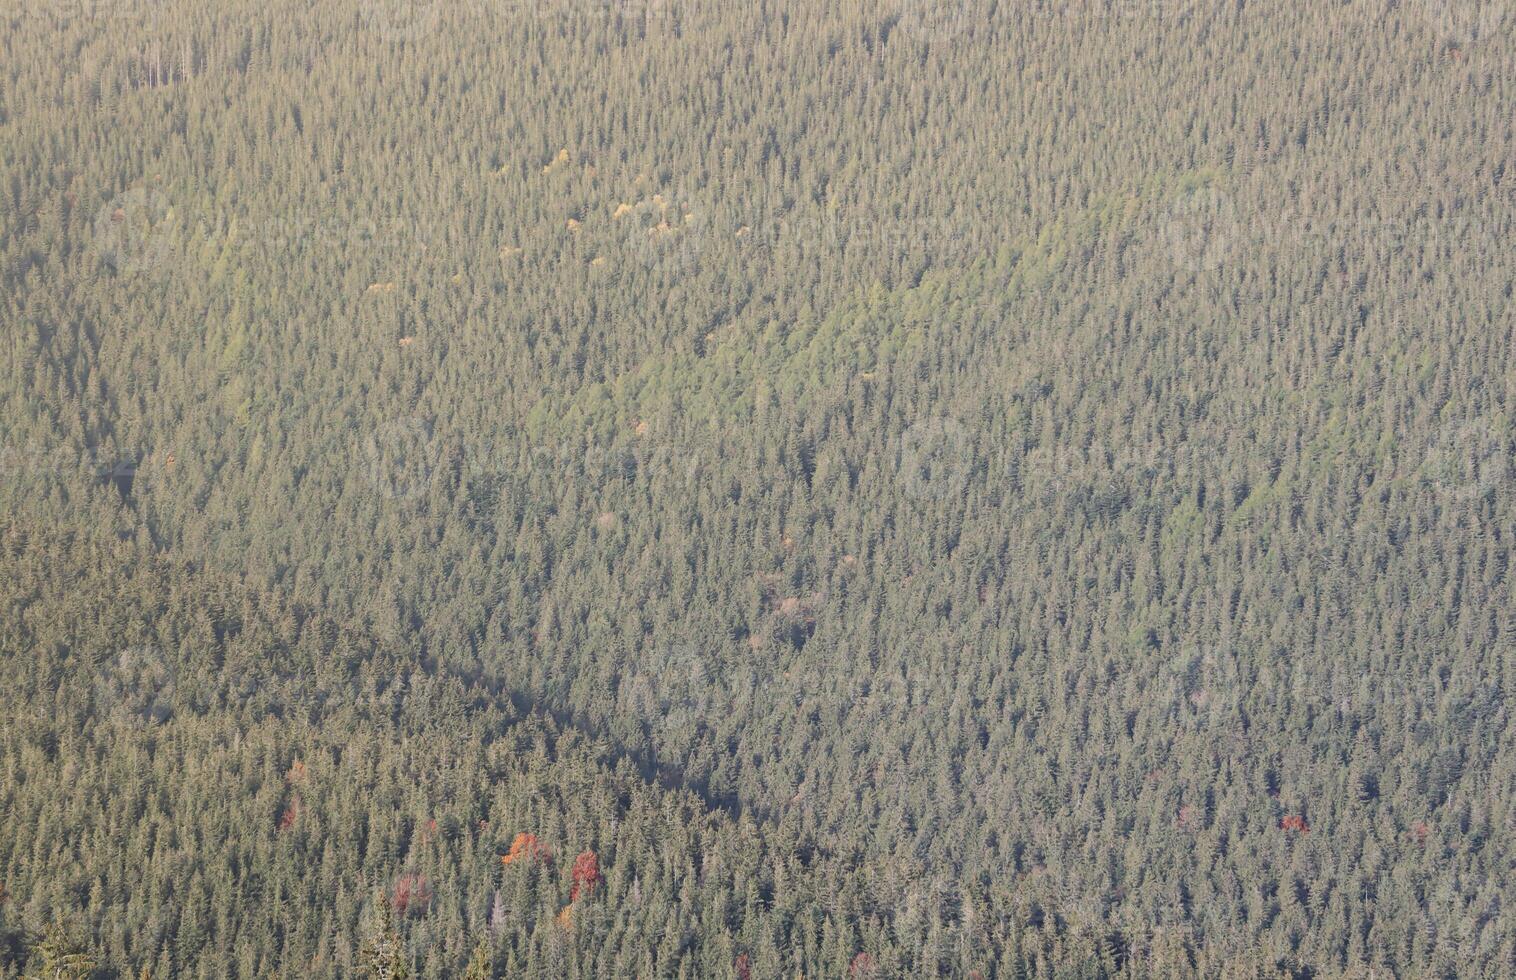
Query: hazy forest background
909, 488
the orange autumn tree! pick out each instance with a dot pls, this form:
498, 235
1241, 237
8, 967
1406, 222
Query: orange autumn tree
526, 847
586, 875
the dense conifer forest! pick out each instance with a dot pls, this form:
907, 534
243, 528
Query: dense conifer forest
670, 488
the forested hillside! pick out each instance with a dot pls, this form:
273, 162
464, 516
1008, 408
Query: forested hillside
687, 489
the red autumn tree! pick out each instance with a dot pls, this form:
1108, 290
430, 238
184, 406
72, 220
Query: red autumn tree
586, 875
1294, 822
290, 815
743, 967
862, 967
412, 895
